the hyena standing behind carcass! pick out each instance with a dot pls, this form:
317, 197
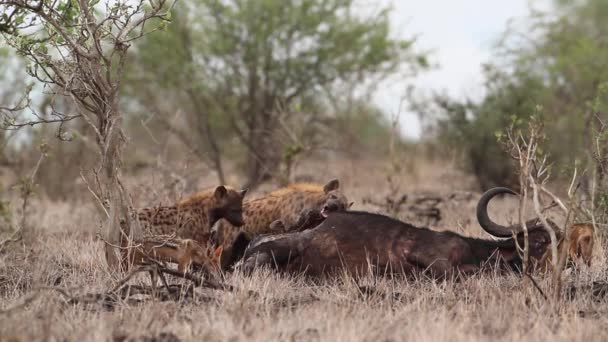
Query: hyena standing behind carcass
288, 205
191, 218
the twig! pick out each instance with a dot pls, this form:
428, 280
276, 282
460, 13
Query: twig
544, 222
26, 192
123, 281
100, 237
554, 198
15, 237
196, 280
95, 195
536, 286
33, 295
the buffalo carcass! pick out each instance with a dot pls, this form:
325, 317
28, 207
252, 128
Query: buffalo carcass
360, 242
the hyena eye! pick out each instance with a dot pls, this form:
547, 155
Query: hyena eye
333, 197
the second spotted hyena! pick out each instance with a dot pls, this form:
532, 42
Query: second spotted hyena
287, 205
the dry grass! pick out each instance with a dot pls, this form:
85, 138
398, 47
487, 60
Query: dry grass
498, 307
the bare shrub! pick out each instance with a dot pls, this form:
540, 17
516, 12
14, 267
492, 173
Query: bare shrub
79, 51
524, 145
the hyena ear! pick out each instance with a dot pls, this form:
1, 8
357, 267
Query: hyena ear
333, 184
243, 192
220, 192
350, 205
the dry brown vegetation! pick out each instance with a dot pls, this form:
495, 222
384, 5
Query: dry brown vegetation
65, 254
196, 103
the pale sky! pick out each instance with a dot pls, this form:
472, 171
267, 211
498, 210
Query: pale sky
461, 34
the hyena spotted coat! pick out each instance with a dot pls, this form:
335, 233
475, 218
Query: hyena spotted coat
285, 204
191, 218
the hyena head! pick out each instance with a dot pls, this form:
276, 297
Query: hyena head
580, 247
227, 204
581, 243
334, 199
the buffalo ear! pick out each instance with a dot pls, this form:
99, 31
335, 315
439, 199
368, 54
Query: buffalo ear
243, 192
332, 185
220, 192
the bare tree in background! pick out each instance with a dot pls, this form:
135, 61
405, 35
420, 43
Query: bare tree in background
243, 62
78, 49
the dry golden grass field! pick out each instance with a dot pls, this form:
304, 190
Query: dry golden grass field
265, 307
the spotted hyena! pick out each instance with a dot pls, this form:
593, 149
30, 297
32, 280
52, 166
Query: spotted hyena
285, 204
193, 217
312, 217
580, 247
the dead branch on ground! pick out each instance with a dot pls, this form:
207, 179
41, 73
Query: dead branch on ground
126, 293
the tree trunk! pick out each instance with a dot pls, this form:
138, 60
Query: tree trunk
113, 231
254, 172
202, 110
115, 200
264, 162
203, 121
217, 162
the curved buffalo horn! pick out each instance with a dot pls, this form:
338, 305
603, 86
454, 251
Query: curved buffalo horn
494, 228
484, 220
